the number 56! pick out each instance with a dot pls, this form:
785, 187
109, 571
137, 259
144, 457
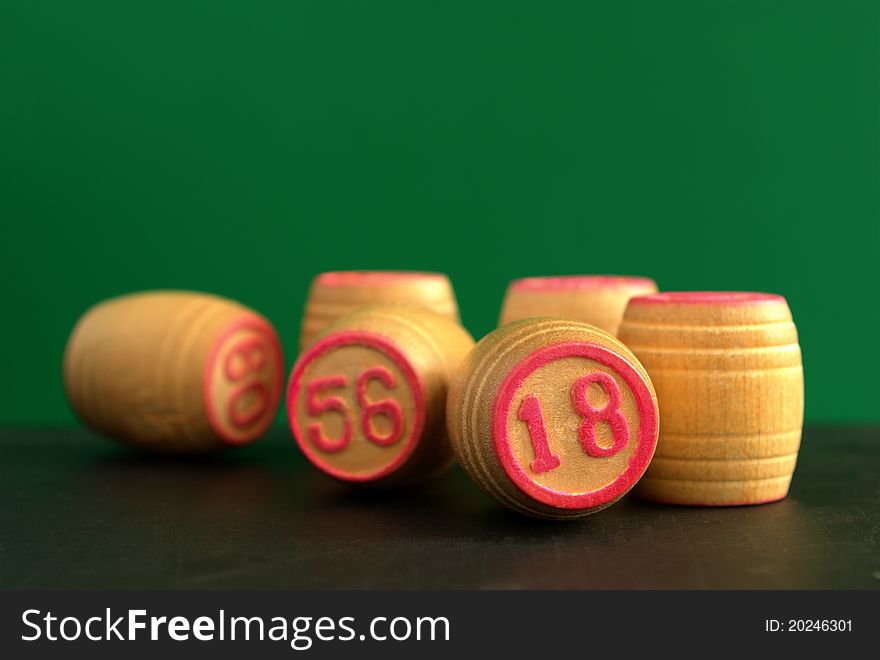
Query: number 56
389, 408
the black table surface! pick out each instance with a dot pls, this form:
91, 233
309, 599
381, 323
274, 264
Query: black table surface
81, 512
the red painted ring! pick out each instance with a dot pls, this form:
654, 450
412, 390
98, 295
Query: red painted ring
707, 298
574, 282
374, 277
265, 329
648, 426
377, 342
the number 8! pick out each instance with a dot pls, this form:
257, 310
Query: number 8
610, 413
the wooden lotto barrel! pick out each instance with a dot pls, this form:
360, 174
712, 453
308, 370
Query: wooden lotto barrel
727, 368
553, 418
174, 371
333, 295
595, 299
366, 400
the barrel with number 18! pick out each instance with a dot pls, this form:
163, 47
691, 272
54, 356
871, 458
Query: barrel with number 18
553, 418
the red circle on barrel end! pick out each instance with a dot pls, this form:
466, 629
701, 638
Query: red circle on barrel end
707, 298
648, 426
374, 277
574, 282
388, 348
267, 333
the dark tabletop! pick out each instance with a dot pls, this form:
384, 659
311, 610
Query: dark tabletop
79, 511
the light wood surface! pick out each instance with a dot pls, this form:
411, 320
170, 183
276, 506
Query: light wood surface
174, 371
595, 299
729, 379
552, 417
366, 400
335, 294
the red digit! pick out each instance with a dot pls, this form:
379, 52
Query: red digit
243, 419
387, 407
611, 413
530, 412
315, 406
244, 358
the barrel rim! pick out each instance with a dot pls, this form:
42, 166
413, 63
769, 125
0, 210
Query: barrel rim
575, 282
376, 277
719, 298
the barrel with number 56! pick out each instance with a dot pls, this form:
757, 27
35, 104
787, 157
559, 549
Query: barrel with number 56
553, 418
366, 400
174, 371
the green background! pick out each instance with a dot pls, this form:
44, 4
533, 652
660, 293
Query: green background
242, 147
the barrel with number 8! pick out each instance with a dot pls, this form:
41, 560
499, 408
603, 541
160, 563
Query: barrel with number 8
366, 400
727, 367
174, 371
335, 294
553, 418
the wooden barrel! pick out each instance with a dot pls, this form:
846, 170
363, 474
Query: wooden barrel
174, 371
729, 379
553, 418
333, 295
595, 299
366, 400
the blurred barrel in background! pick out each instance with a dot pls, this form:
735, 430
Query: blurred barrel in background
174, 371
595, 299
333, 295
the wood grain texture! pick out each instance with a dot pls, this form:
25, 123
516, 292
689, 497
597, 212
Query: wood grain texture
174, 371
727, 368
517, 399
367, 398
335, 294
596, 299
